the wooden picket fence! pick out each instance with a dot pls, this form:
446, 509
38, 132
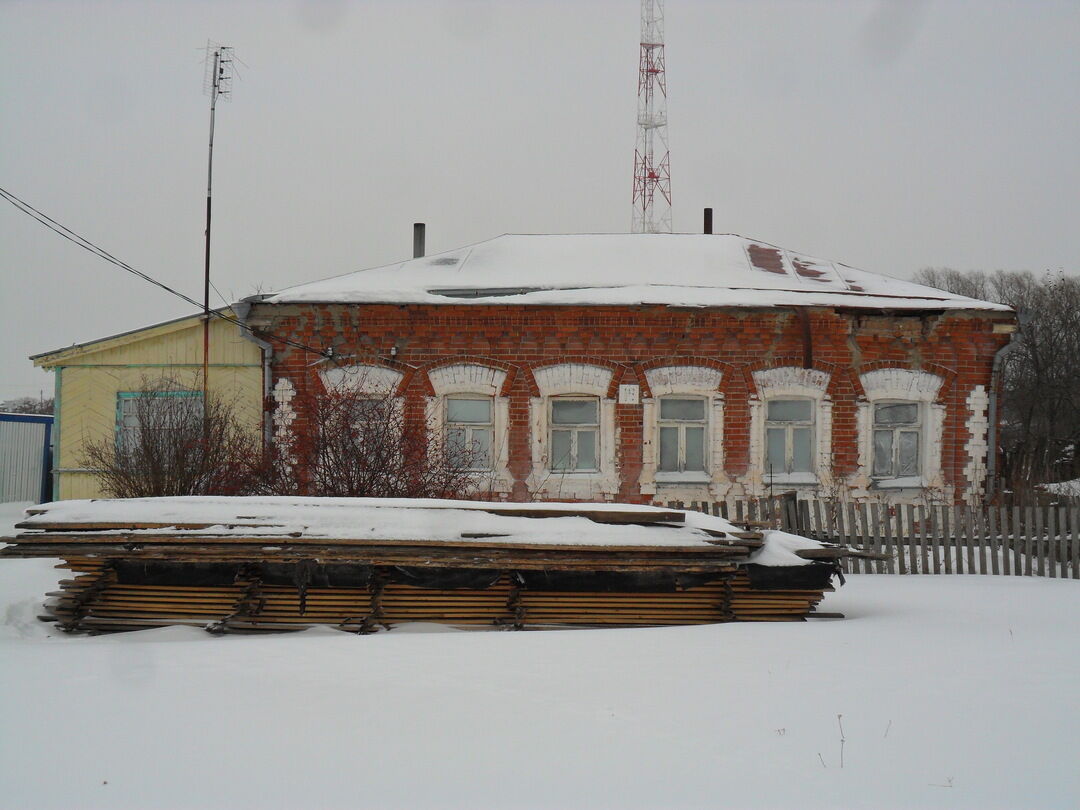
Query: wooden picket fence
1010, 541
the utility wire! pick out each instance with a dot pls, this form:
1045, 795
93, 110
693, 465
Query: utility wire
101, 253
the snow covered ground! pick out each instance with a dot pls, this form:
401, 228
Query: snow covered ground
956, 691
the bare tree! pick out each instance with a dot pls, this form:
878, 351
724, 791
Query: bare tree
169, 442
28, 405
1040, 373
364, 444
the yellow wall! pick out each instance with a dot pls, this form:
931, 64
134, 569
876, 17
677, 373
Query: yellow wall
90, 377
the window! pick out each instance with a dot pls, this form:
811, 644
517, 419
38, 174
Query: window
158, 412
682, 435
897, 428
575, 428
469, 430
789, 432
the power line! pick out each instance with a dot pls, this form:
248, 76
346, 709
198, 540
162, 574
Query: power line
101, 253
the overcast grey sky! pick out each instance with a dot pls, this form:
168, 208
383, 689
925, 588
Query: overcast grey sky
889, 136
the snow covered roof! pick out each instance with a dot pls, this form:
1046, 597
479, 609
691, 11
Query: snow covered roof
686, 270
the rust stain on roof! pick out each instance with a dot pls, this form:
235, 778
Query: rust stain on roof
768, 259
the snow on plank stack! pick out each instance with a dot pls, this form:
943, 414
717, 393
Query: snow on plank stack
246, 564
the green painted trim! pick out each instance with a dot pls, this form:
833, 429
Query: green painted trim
161, 365
56, 434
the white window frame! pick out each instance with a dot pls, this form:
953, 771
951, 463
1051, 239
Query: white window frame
902, 385
572, 380
789, 426
467, 380
790, 382
680, 425
575, 430
470, 427
894, 462
683, 382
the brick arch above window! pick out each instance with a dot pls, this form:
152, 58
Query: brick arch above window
471, 378
362, 378
792, 380
701, 380
573, 378
901, 383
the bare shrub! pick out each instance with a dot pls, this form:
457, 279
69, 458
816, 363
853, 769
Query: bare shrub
168, 443
363, 444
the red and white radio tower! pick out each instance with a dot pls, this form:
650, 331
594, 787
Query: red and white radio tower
652, 179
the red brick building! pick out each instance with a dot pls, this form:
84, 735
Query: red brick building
660, 367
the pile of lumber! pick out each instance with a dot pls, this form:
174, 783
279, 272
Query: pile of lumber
262, 570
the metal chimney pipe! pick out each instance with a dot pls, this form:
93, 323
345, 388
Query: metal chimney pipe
417, 240
708, 220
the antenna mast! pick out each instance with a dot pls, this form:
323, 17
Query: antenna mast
652, 179
217, 83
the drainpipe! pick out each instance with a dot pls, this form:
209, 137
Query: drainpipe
992, 417
418, 234
242, 310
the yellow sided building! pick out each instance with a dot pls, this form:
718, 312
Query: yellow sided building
94, 379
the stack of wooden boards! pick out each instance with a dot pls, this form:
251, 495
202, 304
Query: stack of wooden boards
263, 569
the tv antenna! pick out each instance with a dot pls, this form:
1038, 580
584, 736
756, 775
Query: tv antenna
217, 83
652, 177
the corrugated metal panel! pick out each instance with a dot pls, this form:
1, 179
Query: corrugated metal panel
22, 459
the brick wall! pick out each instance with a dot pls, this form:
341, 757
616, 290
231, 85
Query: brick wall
957, 347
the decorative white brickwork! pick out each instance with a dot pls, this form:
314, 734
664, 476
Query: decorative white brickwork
790, 380
573, 378
901, 383
977, 447
284, 414
362, 379
467, 378
683, 380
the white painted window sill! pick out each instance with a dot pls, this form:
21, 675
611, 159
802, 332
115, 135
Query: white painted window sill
792, 479
683, 478
909, 482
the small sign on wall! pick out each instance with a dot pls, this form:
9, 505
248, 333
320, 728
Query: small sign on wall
629, 395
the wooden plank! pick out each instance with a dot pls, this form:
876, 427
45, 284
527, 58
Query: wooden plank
867, 542
1029, 542
819, 522
1051, 542
889, 540
947, 528
911, 539
1017, 543
992, 539
1075, 544
924, 557
1040, 548
1006, 545
935, 545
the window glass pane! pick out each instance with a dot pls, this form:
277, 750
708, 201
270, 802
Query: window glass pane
690, 409
896, 413
776, 462
789, 410
883, 440
800, 450
586, 450
669, 449
573, 411
909, 452
560, 449
468, 410
455, 446
695, 448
